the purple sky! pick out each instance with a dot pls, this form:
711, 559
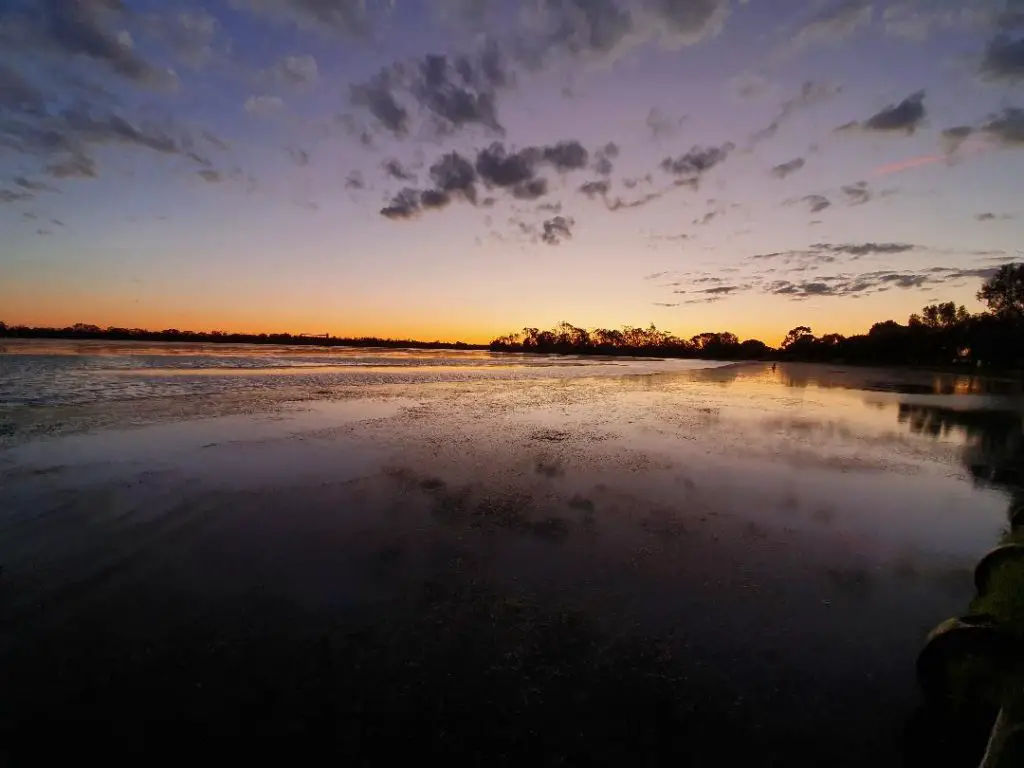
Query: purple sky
463, 168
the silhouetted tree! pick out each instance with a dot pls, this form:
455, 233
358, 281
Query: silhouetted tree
1004, 292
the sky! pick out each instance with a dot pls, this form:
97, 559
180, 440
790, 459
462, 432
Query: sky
460, 169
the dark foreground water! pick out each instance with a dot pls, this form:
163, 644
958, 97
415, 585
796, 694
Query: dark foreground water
633, 564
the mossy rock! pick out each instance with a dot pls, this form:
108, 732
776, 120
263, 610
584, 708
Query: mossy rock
994, 559
962, 660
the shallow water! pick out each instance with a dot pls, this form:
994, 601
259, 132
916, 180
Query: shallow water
694, 565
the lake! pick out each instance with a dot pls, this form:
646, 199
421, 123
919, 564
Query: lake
481, 556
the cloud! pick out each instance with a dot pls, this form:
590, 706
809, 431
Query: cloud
73, 167
666, 303
404, 205
557, 229
603, 158
458, 94
566, 155
693, 164
264, 105
296, 70
661, 125
91, 28
993, 217
210, 176
10, 196
30, 185
953, 137
355, 181
836, 22
865, 249
454, 174
1006, 128
377, 96
816, 203
394, 169
857, 193
904, 117
783, 170
594, 189
530, 190
190, 36
434, 198
349, 18
500, 168
1003, 59
811, 92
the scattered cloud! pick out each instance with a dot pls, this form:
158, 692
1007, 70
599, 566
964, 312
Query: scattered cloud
377, 96
557, 229
264, 105
404, 205
355, 181
816, 203
296, 70
594, 189
299, 156
993, 216
1003, 59
839, 20
783, 170
662, 126
857, 193
603, 158
1006, 128
454, 174
693, 164
209, 176
904, 117
191, 36
395, 170
348, 18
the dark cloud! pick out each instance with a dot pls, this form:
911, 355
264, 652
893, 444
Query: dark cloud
550, 207
1003, 59
857, 193
557, 229
707, 218
583, 26
91, 28
500, 168
696, 162
783, 170
455, 174
865, 249
993, 217
378, 97
299, 156
530, 190
210, 176
567, 155
838, 20
434, 198
904, 117
396, 170
1006, 128
817, 203
720, 290
594, 189
404, 205
666, 303
443, 89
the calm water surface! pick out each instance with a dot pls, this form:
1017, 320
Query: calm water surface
568, 560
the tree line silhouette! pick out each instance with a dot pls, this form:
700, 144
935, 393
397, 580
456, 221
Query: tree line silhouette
941, 334
86, 331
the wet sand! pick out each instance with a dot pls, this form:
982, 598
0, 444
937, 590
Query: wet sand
692, 568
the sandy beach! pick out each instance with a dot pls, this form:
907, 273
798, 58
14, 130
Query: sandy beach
688, 567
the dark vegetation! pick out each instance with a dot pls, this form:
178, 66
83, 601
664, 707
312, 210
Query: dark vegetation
942, 334
85, 331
